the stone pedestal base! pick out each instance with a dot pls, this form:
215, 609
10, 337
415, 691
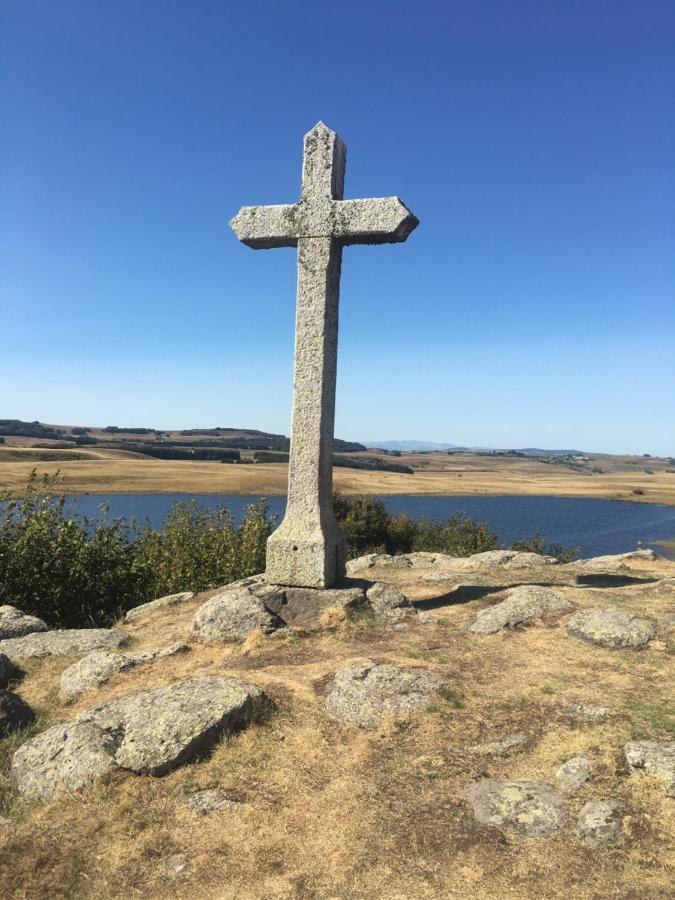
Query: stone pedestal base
302, 558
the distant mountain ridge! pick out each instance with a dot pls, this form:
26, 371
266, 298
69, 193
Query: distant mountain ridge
426, 446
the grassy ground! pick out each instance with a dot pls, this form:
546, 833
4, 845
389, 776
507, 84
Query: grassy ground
329, 810
119, 471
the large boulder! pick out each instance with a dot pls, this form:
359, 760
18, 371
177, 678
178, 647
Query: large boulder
231, 615
150, 732
654, 757
530, 808
67, 642
510, 559
15, 713
365, 693
616, 560
523, 604
145, 609
599, 823
388, 602
15, 623
99, 665
616, 629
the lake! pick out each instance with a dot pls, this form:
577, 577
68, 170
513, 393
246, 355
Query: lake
597, 526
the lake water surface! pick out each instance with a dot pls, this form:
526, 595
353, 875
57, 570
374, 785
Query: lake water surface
597, 526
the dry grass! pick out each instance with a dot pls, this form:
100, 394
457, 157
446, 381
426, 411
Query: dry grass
119, 471
329, 810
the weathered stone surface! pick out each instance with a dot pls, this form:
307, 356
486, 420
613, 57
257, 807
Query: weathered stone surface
656, 758
510, 559
209, 801
6, 669
302, 607
362, 562
616, 560
145, 609
500, 745
530, 808
388, 602
590, 713
150, 732
573, 774
614, 628
366, 693
15, 713
67, 642
599, 823
15, 623
308, 549
176, 863
231, 615
98, 666
523, 604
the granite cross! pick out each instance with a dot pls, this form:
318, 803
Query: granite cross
307, 549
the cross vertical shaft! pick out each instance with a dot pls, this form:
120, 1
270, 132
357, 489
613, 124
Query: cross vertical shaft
308, 548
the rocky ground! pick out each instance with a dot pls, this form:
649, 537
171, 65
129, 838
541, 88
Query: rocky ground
496, 726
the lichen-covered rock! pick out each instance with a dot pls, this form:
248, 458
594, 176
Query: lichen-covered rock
510, 559
530, 808
209, 801
99, 665
15, 713
523, 604
16, 623
365, 693
361, 562
145, 609
590, 713
6, 669
231, 616
302, 607
616, 560
150, 732
616, 629
388, 602
599, 823
654, 757
573, 774
67, 642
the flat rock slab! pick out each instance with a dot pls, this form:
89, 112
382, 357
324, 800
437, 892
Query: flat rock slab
145, 609
366, 693
530, 808
599, 823
15, 713
99, 665
613, 628
654, 757
573, 774
523, 604
301, 607
209, 801
511, 559
616, 560
16, 623
66, 642
151, 732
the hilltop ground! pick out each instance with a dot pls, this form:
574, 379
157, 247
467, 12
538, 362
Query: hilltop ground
332, 810
102, 470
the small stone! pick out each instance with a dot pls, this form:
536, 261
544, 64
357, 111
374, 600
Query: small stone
366, 693
523, 604
427, 618
16, 623
66, 642
530, 808
145, 609
613, 628
501, 745
231, 616
599, 823
209, 801
15, 713
176, 863
591, 713
656, 758
573, 774
388, 602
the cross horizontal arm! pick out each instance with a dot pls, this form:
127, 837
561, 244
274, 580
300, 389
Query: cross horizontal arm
264, 227
382, 220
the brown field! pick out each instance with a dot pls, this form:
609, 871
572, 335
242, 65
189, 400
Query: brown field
332, 811
93, 470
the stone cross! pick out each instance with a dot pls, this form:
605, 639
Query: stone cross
308, 549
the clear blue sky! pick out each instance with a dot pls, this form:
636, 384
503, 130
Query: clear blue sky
535, 140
